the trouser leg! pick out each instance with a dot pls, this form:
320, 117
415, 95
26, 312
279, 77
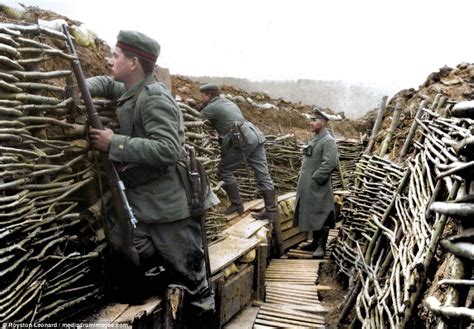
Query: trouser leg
227, 166
229, 163
320, 237
178, 245
257, 159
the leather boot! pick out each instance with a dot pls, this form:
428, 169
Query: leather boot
270, 211
234, 197
321, 239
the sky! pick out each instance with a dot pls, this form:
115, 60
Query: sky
383, 43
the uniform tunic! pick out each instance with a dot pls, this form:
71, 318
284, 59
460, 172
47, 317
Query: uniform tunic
314, 206
149, 143
222, 114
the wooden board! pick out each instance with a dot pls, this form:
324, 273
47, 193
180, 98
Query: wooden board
246, 227
300, 254
108, 313
237, 292
287, 224
283, 321
149, 306
290, 233
223, 253
303, 308
294, 240
286, 196
301, 271
294, 316
296, 287
271, 308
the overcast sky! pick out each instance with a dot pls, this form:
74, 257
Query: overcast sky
391, 44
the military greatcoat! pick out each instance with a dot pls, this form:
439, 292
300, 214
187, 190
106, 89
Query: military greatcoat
148, 143
314, 198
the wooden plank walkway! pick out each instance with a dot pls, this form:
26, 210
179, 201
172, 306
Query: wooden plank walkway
224, 252
291, 299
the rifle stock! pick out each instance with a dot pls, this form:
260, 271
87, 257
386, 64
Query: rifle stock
124, 213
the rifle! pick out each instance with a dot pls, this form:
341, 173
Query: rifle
197, 207
124, 213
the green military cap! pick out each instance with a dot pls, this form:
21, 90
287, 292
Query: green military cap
209, 87
318, 114
140, 44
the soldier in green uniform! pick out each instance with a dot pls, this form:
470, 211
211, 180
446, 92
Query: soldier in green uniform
314, 206
147, 148
239, 141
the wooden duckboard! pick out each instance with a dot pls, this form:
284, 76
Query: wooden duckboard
225, 252
124, 313
246, 227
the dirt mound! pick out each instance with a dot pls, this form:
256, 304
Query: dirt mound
457, 84
92, 57
272, 116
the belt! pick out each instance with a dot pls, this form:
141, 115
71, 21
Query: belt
135, 175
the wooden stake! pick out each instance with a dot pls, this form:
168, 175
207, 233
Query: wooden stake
174, 307
377, 124
393, 127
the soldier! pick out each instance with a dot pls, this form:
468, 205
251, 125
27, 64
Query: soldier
314, 206
147, 148
239, 141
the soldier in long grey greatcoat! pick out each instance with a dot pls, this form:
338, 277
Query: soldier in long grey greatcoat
147, 148
314, 206
239, 141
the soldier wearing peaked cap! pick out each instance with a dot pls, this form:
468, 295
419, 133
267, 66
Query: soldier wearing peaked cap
240, 141
317, 113
147, 148
314, 206
210, 87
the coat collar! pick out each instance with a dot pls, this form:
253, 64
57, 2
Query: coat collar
320, 135
136, 88
214, 99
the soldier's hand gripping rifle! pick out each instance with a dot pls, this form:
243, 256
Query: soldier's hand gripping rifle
124, 213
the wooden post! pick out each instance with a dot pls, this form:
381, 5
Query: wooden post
219, 296
412, 131
174, 307
438, 229
452, 294
349, 302
377, 124
393, 127
260, 269
278, 234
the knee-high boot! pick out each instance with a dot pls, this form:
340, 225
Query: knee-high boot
235, 200
270, 211
321, 239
